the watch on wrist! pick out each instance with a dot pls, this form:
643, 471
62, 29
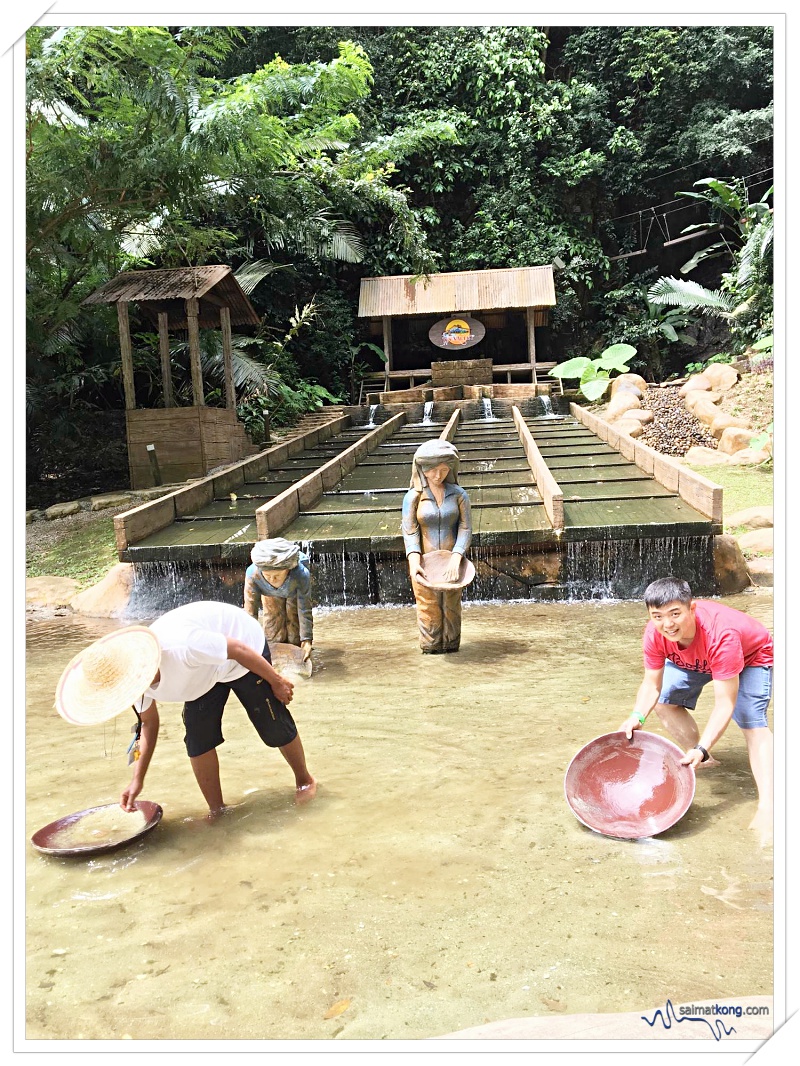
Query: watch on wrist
706, 756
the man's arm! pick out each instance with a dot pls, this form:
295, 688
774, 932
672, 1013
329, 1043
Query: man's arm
646, 699
725, 693
147, 745
242, 653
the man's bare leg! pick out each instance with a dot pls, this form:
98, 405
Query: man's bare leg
305, 785
759, 750
677, 721
206, 772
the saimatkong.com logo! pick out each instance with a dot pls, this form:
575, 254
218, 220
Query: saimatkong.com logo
717, 1016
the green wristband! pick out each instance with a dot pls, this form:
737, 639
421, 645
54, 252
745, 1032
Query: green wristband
640, 717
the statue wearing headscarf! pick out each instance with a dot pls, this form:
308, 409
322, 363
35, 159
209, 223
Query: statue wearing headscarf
436, 516
279, 582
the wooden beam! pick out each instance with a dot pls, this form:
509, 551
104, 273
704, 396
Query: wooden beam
387, 348
193, 324
531, 342
127, 357
227, 356
166, 366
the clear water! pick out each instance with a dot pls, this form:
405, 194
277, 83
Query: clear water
438, 881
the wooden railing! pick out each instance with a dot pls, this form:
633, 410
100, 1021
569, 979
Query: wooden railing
552, 496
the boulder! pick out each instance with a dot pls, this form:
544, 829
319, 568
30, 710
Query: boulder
734, 440
110, 499
721, 375
722, 421
642, 415
32, 516
109, 597
757, 541
761, 571
62, 510
698, 456
730, 567
629, 426
49, 591
705, 412
628, 381
696, 381
622, 402
752, 518
749, 457
698, 395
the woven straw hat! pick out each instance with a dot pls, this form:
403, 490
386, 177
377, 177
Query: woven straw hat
107, 677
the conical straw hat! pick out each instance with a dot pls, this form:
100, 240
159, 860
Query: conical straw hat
109, 676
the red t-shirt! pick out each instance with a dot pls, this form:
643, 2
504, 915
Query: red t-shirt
725, 642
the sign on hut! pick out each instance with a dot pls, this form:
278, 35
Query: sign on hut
170, 443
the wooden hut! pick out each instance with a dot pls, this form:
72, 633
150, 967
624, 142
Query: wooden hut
172, 443
487, 297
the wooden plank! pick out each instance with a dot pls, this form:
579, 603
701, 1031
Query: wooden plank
701, 493
642, 489
139, 522
227, 357
669, 516
667, 471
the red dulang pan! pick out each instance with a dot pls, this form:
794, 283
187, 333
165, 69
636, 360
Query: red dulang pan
629, 788
67, 836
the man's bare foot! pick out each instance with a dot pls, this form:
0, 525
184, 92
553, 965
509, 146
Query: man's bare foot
762, 825
217, 812
305, 793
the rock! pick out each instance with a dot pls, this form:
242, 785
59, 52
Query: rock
32, 516
691, 398
752, 518
61, 510
622, 402
109, 499
730, 567
49, 591
696, 381
761, 571
721, 375
705, 411
749, 457
706, 457
109, 597
642, 416
722, 421
734, 440
629, 426
758, 541
634, 381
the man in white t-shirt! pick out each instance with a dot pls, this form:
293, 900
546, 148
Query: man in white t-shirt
196, 654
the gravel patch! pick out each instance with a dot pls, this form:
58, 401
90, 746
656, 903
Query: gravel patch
674, 430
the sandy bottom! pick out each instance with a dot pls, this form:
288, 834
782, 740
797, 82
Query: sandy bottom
438, 882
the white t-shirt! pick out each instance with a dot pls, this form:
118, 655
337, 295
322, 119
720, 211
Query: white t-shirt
194, 650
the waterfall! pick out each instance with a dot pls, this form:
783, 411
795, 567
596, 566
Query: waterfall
428, 411
372, 409
486, 404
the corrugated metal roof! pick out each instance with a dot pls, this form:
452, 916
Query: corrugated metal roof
166, 290
466, 290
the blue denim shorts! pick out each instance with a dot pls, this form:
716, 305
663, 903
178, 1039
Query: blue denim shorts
682, 687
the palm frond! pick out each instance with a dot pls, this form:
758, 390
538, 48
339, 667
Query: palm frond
250, 275
678, 292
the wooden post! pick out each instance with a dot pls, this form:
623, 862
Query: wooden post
166, 366
227, 357
193, 324
155, 470
127, 358
531, 342
387, 349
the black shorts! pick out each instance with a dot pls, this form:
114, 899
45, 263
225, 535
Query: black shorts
202, 718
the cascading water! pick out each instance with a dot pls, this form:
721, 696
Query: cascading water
486, 404
548, 408
622, 569
428, 411
161, 586
372, 409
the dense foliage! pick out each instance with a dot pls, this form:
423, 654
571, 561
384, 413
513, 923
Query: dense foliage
335, 153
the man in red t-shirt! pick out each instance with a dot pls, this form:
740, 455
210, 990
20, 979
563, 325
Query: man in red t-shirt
688, 643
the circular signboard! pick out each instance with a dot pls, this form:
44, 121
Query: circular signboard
457, 331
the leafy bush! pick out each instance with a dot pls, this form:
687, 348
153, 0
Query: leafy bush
594, 374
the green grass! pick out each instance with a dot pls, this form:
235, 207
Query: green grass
86, 555
743, 486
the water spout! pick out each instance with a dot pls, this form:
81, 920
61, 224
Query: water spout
486, 404
427, 412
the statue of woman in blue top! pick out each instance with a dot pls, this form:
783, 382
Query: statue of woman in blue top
279, 582
436, 517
